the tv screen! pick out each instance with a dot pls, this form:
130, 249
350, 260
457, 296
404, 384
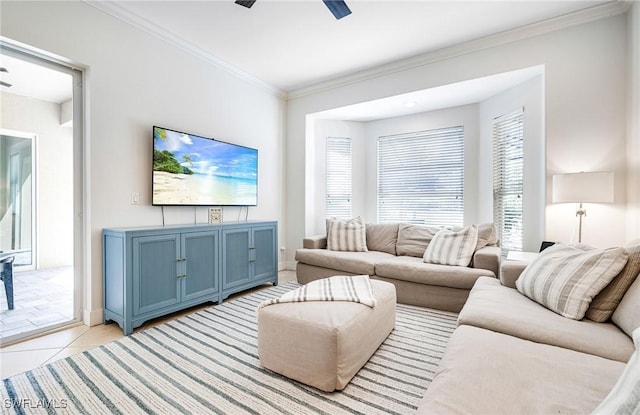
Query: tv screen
198, 171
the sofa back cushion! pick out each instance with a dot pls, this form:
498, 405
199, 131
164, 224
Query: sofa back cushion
347, 235
487, 235
451, 247
605, 303
413, 239
565, 278
627, 314
382, 237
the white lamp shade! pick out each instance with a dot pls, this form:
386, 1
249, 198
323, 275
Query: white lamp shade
593, 187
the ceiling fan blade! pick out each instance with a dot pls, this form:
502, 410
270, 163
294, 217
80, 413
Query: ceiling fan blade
246, 3
5, 84
338, 7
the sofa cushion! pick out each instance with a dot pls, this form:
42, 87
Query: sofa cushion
565, 278
413, 239
382, 237
625, 395
605, 303
353, 262
483, 372
627, 314
347, 235
315, 242
413, 269
493, 306
487, 235
487, 258
452, 247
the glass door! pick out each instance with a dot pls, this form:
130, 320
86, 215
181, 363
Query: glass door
40, 193
17, 230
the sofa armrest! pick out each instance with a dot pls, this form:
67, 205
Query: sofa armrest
315, 242
487, 258
510, 270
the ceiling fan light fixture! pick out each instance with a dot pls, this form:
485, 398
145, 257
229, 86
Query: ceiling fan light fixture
338, 7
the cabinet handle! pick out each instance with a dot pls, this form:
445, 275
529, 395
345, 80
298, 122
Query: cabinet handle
181, 259
181, 275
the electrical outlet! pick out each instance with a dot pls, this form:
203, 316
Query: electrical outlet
215, 215
135, 198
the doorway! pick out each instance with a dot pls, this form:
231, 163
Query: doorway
40, 192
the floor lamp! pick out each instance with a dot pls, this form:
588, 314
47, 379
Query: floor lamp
583, 187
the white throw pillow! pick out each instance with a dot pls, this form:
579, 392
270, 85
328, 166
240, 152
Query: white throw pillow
347, 235
624, 398
566, 278
451, 247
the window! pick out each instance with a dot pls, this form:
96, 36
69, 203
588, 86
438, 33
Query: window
508, 165
420, 177
338, 192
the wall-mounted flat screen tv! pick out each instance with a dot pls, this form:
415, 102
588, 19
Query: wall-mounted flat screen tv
189, 170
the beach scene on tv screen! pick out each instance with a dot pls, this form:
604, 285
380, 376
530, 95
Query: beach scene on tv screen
192, 170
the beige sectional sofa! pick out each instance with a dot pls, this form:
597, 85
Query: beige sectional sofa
394, 255
511, 355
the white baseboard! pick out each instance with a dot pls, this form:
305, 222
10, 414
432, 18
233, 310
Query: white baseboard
92, 317
289, 265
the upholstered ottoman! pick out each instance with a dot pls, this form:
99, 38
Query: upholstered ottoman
325, 343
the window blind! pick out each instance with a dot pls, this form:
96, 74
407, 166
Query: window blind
338, 191
508, 174
420, 177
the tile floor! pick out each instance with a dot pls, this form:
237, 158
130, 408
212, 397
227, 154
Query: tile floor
41, 298
30, 354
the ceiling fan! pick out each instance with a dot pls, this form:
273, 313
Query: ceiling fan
8, 85
338, 7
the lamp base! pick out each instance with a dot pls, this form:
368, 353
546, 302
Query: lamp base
580, 212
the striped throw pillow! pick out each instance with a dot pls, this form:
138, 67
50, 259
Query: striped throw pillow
451, 247
347, 235
566, 278
605, 303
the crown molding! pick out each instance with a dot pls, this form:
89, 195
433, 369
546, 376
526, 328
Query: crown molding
114, 9
609, 9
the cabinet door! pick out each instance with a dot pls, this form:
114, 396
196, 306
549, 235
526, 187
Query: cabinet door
155, 272
200, 259
235, 257
264, 260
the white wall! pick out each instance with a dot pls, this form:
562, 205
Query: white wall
585, 113
633, 124
136, 81
54, 175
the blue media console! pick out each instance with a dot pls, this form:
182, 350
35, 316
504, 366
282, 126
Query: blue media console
153, 271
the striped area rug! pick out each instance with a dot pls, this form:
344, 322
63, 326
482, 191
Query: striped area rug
207, 363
